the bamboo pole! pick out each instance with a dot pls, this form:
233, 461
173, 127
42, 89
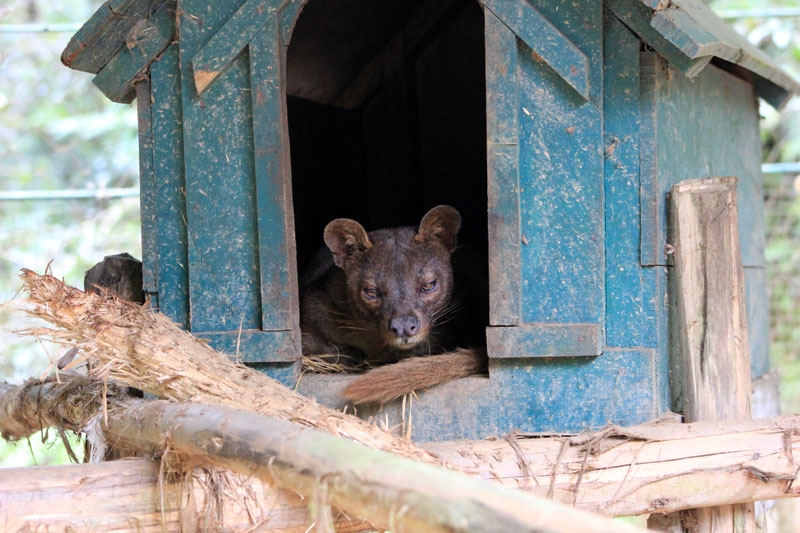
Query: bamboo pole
712, 321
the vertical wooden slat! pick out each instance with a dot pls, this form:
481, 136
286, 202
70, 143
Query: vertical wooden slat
712, 322
172, 264
502, 158
273, 184
147, 190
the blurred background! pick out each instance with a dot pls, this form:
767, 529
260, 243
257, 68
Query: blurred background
69, 181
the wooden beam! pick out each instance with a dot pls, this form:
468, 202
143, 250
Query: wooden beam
387, 490
133, 345
653, 468
131, 495
711, 320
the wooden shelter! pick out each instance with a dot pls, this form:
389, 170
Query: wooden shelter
556, 129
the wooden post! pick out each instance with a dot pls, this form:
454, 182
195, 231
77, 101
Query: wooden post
711, 322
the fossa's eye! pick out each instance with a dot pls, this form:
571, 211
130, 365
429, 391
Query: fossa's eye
371, 293
428, 286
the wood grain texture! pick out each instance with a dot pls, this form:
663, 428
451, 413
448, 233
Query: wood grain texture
712, 320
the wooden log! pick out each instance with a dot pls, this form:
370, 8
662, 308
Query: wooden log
660, 468
131, 495
387, 490
711, 320
139, 348
654, 468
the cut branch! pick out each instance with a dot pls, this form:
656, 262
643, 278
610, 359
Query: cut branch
385, 489
146, 350
130, 495
660, 467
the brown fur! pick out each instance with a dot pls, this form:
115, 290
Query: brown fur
389, 382
388, 295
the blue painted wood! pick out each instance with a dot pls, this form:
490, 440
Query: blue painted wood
171, 260
287, 17
535, 340
144, 42
220, 193
688, 34
695, 30
255, 346
227, 42
545, 40
561, 194
148, 187
532, 395
690, 117
582, 24
636, 16
502, 153
629, 316
275, 218
651, 217
105, 33
757, 305
705, 127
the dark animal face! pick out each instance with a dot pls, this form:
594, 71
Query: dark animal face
399, 281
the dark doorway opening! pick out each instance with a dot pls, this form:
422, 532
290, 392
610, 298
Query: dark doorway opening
387, 115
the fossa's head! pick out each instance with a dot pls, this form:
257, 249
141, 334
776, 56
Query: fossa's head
398, 280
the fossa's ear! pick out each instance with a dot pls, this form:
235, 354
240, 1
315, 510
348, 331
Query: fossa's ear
441, 223
346, 238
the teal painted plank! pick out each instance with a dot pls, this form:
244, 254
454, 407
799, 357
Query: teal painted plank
693, 28
502, 94
171, 240
254, 346
502, 126
287, 17
628, 314
701, 127
545, 40
757, 301
650, 78
148, 191
534, 340
562, 395
220, 190
582, 24
227, 42
561, 200
276, 246
144, 43
636, 16
688, 34
104, 34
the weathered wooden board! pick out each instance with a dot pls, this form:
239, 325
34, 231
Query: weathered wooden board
98, 41
636, 294
711, 319
143, 43
567, 394
689, 35
675, 109
165, 223
502, 156
131, 495
541, 36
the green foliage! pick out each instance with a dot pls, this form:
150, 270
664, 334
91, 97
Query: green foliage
780, 39
57, 132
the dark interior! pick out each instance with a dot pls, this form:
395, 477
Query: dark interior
387, 115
